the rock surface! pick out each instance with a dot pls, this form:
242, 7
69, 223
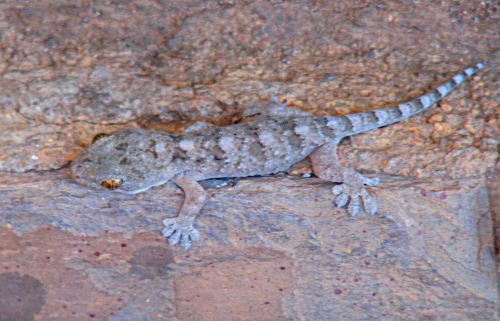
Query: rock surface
272, 248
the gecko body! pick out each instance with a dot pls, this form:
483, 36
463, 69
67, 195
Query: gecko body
134, 160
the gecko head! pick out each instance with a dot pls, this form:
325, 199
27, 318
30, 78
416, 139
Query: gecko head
129, 161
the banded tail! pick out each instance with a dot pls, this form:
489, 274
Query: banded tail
352, 124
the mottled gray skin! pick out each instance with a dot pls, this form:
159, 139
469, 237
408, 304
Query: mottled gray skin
276, 138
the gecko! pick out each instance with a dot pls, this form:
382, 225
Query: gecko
134, 160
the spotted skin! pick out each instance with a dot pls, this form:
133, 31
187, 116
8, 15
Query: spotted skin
274, 138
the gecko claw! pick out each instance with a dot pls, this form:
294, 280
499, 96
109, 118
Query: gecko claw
180, 231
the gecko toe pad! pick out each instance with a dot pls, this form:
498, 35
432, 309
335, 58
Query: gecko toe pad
180, 230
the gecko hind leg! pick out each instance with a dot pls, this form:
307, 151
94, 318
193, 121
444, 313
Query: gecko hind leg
352, 191
180, 229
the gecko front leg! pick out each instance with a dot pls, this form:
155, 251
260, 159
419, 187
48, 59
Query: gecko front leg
326, 165
180, 230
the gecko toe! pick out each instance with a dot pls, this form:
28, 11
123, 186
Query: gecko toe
354, 206
369, 203
194, 235
185, 242
371, 181
168, 231
170, 227
189, 237
342, 199
337, 189
174, 238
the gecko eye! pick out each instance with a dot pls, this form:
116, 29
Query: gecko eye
112, 183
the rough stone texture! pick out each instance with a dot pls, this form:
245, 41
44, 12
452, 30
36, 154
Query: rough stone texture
272, 248
281, 252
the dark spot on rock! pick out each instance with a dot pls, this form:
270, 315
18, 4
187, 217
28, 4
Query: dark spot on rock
338, 291
13, 287
151, 262
123, 245
282, 268
97, 253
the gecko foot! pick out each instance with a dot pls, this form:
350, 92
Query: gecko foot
355, 193
180, 230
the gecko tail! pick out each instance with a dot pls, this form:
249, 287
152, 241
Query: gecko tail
362, 122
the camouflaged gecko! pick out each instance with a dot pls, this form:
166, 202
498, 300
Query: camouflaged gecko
134, 160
